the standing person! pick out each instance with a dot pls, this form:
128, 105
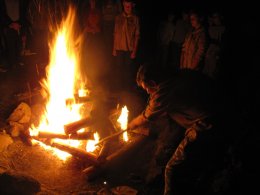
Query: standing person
110, 9
14, 22
188, 99
182, 27
93, 43
195, 45
165, 34
213, 55
38, 15
126, 38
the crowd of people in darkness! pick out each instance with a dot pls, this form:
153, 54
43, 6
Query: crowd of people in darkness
188, 39
183, 76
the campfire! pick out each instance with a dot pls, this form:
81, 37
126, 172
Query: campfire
70, 132
65, 126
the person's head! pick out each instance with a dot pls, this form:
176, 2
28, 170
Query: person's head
195, 19
185, 15
217, 19
149, 77
128, 6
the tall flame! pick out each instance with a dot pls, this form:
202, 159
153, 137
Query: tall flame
123, 120
60, 82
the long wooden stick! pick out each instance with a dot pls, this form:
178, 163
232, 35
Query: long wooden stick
143, 132
111, 137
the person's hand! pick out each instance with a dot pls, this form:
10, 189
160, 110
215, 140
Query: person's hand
114, 53
133, 124
133, 55
16, 26
136, 122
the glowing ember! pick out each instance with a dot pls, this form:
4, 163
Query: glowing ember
123, 120
60, 82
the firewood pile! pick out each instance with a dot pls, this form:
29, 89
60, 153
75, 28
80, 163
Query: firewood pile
110, 147
112, 154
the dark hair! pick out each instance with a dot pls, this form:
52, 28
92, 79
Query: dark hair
148, 72
198, 13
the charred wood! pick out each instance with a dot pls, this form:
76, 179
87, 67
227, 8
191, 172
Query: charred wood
51, 135
76, 152
77, 125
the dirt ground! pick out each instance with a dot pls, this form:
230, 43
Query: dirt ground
58, 177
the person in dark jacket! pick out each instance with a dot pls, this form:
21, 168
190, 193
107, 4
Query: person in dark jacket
189, 99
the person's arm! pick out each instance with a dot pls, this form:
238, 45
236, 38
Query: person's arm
136, 122
155, 108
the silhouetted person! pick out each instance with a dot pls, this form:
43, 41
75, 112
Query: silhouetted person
93, 43
195, 45
188, 99
165, 34
213, 55
182, 27
14, 29
110, 9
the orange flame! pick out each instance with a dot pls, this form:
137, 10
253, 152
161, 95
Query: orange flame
123, 120
60, 84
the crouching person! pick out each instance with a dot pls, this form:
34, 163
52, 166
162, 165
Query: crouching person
188, 99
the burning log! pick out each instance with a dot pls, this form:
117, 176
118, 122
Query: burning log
76, 152
77, 136
51, 135
118, 156
83, 135
77, 100
75, 126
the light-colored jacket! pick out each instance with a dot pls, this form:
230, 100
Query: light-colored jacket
126, 32
194, 49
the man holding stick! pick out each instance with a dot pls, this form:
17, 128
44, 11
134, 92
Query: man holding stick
187, 99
